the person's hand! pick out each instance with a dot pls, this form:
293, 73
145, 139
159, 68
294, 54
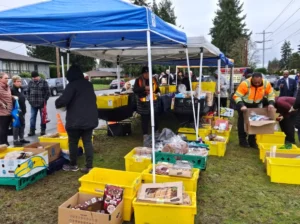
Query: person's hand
243, 108
270, 107
281, 86
147, 88
292, 109
279, 118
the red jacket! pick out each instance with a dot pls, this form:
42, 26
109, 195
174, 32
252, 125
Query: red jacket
283, 105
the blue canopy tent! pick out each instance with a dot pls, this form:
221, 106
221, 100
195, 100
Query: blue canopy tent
98, 23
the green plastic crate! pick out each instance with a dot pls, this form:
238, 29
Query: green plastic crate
198, 161
22, 182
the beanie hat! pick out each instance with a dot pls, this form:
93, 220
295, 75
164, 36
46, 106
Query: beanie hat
145, 69
34, 74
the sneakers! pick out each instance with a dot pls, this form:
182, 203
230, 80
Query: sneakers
68, 167
43, 132
23, 141
17, 144
31, 133
85, 170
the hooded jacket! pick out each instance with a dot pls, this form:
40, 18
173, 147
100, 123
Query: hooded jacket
15, 91
80, 101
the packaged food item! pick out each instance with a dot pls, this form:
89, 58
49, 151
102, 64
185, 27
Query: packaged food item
3, 147
216, 138
186, 199
94, 205
198, 152
112, 198
179, 147
142, 151
52, 135
255, 117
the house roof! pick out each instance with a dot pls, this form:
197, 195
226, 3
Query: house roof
6, 55
100, 74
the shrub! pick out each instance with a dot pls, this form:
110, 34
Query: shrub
101, 81
25, 75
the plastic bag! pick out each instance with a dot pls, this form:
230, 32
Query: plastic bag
16, 122
166, 134
45, 115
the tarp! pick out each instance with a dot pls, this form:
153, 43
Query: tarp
76, 24
160, 55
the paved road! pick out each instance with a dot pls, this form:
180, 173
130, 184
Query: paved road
51, 126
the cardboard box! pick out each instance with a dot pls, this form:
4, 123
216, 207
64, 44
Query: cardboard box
54, 150
24, 167
259, 127
66, 215
159, 193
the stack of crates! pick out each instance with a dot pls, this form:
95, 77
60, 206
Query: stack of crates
112, 102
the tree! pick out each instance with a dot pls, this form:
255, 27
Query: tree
262, 70
274, 66
294, 61
229, 25
286, 52
155, 8
140, 2
166, 11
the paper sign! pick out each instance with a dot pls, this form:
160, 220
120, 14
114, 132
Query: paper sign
226, 112
110, 103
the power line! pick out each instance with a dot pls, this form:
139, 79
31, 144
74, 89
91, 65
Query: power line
288, 26
295, 33
280, 13
285, 22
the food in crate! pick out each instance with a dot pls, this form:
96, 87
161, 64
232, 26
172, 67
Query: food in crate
221, 125
52, 135
94, 204
178, 147
3, 148
142, 151
170, 193
186, 199
255, 117
198, 152
215, 138
179, 169
18, 155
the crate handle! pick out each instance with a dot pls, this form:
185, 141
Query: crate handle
99, 190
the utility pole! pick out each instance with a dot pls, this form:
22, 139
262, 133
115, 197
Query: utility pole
263, 42
57, 63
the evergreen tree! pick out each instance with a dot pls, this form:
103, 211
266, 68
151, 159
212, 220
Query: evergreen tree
155, 8
274, 66
140, 2
166, 11
294, 62
286, 52
229, 25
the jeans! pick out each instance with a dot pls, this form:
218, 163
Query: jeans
241, 131
145, 123
34, 112
86, 136
4, 125
287, 126
18, 133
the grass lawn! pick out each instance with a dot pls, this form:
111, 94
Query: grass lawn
100, 87
233, 189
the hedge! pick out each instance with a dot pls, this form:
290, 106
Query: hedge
101, 81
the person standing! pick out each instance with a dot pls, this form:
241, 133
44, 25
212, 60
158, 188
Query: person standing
142, 90
79, 99
16, 91
6, 104
286, 85
224, 86
286, 119
250, 94
38, 94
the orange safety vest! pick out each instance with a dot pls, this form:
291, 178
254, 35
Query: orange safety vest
142, 84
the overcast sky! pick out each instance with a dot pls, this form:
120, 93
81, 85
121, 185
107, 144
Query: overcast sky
196, 17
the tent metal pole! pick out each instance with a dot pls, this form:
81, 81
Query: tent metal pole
199, 89
63, 71
231, 80
219, 86
68, 60
118, 73
176, 75
151, 102
191, 88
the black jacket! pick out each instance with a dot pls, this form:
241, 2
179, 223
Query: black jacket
22, 100
80, 101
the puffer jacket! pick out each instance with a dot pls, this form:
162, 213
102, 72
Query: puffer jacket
6, 99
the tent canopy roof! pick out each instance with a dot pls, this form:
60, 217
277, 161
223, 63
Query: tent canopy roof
160, 55
76, 24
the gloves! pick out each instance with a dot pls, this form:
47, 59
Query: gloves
291, 109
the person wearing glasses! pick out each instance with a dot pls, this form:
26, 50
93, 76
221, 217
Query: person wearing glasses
6, 104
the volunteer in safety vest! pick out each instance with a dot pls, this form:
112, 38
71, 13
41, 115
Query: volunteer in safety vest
142, 90
251, 93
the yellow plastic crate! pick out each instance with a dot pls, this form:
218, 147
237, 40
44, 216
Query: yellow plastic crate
152, 213
124, 100
11, 149
63, 140
134, 164
276, 138
217, 148
94, 182
172, 89
284, 170
190, 133
162, 90
108, 102
264, 147
222, 133
205, 86
190, 184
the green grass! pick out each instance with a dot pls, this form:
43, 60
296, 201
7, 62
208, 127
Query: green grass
100, 87
233, 190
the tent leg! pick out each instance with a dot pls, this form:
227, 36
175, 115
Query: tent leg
119, 78
68, 61
191, 86
199, 90
63, 71
219, 86
151, 102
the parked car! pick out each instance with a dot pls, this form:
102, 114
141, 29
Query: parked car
272, 79
56, 86
24, 85
114, 84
